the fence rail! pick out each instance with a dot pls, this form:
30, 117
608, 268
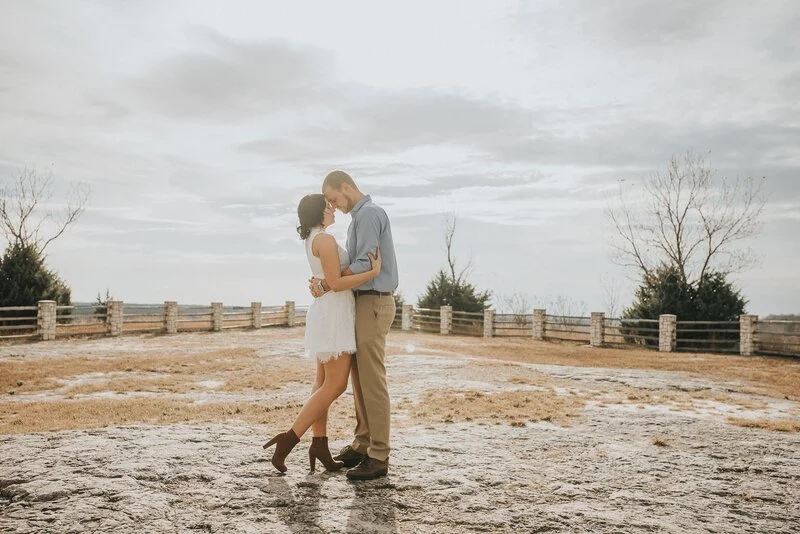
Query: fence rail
19, 322
778, 337
708, 336
397, 322
300, 315
642, 333
746, 336
464, 323
80, 319
116, 318
426, 320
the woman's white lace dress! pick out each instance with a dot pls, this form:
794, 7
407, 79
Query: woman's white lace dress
330, 322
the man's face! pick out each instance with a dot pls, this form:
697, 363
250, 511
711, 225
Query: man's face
338, 199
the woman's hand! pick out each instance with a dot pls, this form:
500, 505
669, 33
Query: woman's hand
314, 285
375, 262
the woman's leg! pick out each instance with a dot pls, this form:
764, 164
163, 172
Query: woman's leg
320, 426
336, 373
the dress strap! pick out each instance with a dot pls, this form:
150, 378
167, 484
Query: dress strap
314, 233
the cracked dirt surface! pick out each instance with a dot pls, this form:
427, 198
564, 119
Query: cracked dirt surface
481, 444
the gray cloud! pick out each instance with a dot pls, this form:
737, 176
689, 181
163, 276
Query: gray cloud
235, 80
642, 27
255, 81
645, 143
424, 117
790, 84
392, 121
650, 23
437, 183
783, 43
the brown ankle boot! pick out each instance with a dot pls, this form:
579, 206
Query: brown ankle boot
319, 451
284, 443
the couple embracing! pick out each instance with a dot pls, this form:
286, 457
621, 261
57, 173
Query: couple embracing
346, 328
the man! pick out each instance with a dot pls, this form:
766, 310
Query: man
369, 229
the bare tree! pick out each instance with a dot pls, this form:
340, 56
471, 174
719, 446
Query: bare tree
563, 307
453, 288
688, 221
518, 305
611, 297
450, 222
25, 216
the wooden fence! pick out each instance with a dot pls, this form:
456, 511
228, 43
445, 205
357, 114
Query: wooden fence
48, 321
747, 336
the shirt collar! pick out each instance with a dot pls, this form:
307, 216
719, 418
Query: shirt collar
360, 203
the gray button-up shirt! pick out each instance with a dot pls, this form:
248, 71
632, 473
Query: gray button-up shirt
370, 228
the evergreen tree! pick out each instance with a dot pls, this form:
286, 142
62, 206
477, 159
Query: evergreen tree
444, 290
25, 280
711, 298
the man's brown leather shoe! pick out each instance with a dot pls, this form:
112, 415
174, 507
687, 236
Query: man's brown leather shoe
349, 456
369, 469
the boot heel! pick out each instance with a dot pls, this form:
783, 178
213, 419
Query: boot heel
312, 460
284, 443
319, 451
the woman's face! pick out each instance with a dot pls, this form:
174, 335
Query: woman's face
328, 216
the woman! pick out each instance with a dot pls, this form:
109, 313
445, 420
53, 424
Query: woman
330, 332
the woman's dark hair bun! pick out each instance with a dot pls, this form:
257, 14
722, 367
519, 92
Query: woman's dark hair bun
310, 211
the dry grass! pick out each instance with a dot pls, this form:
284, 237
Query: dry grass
778, 377
169, 384
513, 407
239, 368
44, 375
685, 399
778, 425
19, 418
660, 441
266, 375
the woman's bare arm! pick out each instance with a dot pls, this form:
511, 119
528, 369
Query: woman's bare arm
325, 247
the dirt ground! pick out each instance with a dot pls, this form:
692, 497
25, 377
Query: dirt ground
151, 433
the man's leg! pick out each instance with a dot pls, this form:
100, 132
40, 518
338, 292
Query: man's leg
361, 436
374, 317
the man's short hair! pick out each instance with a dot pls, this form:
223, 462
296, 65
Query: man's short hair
336, 178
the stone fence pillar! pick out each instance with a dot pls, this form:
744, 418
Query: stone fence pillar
114, 317
255, 312
488, 323
171, 316
46, 319
291, 314
408, 311
538, 323
667, 332
597, 329
216, 316
445, 319
747, 331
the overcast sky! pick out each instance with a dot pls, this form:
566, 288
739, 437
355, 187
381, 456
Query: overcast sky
199, 125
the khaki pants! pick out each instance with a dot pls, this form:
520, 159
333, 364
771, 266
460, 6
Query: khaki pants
374, 317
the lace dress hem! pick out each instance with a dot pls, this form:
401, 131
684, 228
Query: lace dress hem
325, 357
